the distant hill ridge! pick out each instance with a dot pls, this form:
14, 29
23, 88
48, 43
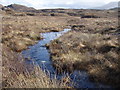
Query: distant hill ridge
1, 6
109, 6
18, 7
22, 8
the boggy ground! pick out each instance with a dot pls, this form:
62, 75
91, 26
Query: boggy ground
21, 29
19, 32
16, 74
92, 45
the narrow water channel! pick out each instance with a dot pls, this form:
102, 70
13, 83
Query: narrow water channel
41, 56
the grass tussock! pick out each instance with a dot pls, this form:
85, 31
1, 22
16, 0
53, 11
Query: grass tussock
38, 79
82, 48
16, 74
96, 53
20, 32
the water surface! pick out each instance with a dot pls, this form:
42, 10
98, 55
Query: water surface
41, 56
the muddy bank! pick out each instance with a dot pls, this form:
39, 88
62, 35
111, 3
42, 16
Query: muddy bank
86, 48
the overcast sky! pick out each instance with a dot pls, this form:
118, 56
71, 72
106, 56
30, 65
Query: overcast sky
41, 4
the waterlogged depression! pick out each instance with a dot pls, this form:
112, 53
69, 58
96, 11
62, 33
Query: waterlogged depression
40, 55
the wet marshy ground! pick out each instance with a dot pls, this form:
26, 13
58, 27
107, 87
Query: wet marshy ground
40, 55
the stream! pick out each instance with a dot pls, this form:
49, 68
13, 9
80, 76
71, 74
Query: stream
41, 56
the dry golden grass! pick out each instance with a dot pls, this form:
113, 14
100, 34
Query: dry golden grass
38, 79
16, 74
93, 51
20, 31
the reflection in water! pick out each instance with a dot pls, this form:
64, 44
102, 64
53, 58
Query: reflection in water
41, 56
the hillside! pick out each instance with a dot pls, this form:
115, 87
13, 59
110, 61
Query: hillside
108, 6
17, 7
1, 6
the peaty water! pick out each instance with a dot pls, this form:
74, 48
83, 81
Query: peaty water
39, 54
